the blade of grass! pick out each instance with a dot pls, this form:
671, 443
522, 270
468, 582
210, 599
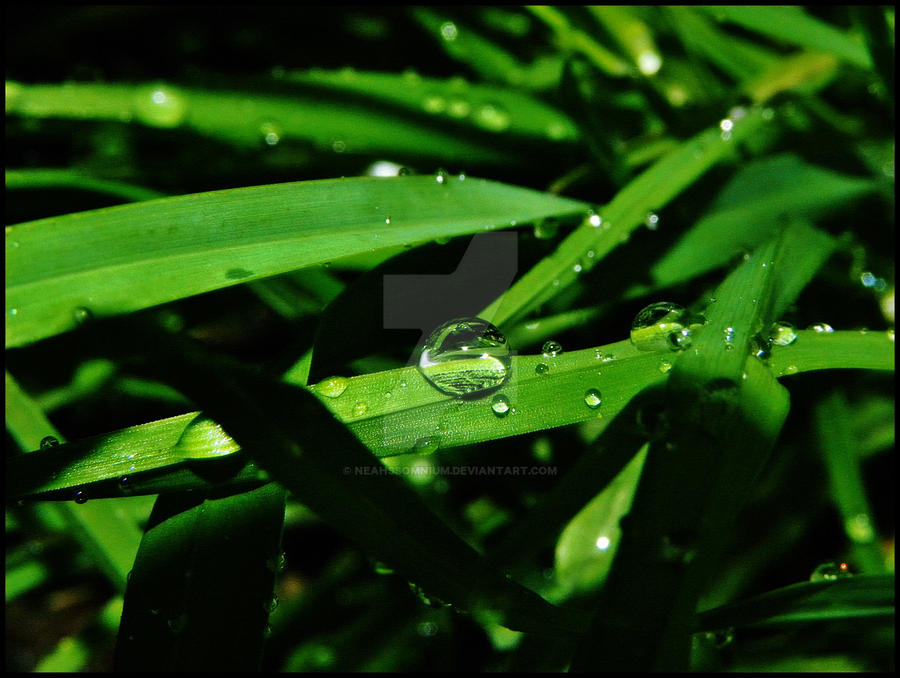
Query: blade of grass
63, 270
594, 239
839, 446
794, 26
200, 593
105, 530
844, 598
711, 438
71, 178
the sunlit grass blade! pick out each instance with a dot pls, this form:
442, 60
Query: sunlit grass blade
597, 236
64, 270
842, 349
794, 26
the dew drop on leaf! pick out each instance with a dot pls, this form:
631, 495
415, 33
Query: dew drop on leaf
48, 441
592, 398
661, 326
500, 405
332, 387
465, 356
551, 349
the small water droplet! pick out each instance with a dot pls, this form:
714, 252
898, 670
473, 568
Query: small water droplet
332, 387
500, 405
791, 369
48, 441
661, 326
541, 368
830, 572
427, 445
271, 605
592, 398
782, 334
449, 32
126, 486
360, 408
594, 219
651, 221
721, 638
664, 366
160, 106
387, 394
821, 328
551, 349
427, 629
82, 315
465, 356
492, 117
271, 133
81, 497
441, 176
387, 220
545, 229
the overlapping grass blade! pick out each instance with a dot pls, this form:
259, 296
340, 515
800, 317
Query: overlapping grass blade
855, 597
106, 530
711, 436
202, 586
300, 445
596, 237
65, 269
794, 26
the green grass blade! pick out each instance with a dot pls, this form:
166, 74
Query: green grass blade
839, 449
751, 208
105, 530
842, 349
845, 598
794, 26
594, 239
70, 178
62, 270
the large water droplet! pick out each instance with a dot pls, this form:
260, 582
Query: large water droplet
660, 326
332, 387
465, 356
541, 368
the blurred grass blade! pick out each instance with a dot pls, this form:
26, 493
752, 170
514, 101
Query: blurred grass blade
751, 208
839, 450
794, 26
62, 271
845, 598
200, 593
71, 178
597, 236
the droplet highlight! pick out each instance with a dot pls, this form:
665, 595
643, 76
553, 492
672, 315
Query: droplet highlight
465, 356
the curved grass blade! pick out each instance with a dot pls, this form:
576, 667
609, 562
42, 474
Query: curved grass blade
62, 270
855, 597
70, 178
